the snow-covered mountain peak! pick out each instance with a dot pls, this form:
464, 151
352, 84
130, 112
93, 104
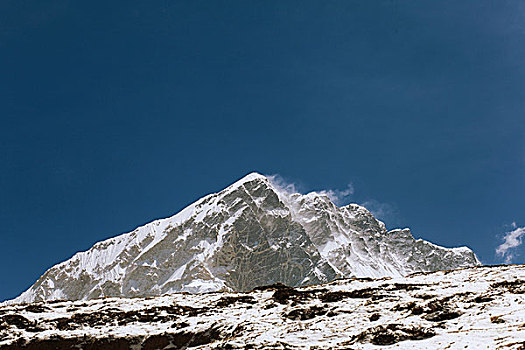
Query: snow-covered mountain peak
252, 233
253, 176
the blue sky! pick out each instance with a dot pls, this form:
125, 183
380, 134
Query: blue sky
117, 113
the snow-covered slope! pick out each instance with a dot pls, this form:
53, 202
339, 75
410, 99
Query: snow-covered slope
474, 308
250, 234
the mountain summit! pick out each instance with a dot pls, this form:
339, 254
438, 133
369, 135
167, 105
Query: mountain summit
250, 234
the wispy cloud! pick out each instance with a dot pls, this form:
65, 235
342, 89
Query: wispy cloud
286, 186
511, 240
383, 211
339, 197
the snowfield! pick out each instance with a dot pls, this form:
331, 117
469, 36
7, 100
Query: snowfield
471, 308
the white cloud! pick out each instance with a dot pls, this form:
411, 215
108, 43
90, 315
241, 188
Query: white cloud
339, 197
383, 211
512, 240
282, 184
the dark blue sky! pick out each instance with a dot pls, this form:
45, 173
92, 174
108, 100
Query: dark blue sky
117, 113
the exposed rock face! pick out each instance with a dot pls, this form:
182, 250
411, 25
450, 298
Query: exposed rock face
250, 234
479, 308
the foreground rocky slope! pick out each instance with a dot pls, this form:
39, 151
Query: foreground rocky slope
250, 234
475, 308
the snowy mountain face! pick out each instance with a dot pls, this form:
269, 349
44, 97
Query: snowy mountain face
474, 308
252, 233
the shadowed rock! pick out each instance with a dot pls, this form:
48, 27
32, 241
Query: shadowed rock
306, 314
365, 293
516, 286
180, 340
393, 333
